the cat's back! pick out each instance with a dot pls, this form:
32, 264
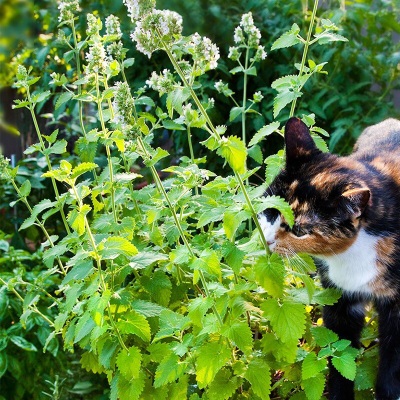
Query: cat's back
378, 139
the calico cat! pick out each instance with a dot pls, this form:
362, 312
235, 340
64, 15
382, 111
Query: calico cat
347, 216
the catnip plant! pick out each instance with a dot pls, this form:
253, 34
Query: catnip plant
167, 289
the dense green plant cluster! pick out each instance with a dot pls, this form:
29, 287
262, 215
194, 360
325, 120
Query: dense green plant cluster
152, 264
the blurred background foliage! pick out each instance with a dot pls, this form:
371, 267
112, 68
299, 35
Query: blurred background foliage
361, 88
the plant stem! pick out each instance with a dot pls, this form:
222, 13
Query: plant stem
108, 152
305, 51
78, 72
49, 166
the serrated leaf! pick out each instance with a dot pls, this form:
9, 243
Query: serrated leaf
282, 99
147, 308
169, 370
314, 387
28, 222
274, 165
89, 362
172, 125
287, 319
323, 336
59, 147
288, 39
83, 327
37, 98
129, 363
223, 386
266, 130
135, 324
159, 286
66, 96
158, 155
129, 389
232, 220
235, 153
116, 246
198, 307
312, 366
211, 358
240, 334
82, 169
326, 37
327, 296
258, 375
171, 322
346, 364
270, 274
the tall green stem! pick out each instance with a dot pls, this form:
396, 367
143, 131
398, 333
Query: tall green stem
108, 152
305, 51
49, 166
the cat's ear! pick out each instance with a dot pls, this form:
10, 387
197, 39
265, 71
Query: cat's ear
358, 199
298, 140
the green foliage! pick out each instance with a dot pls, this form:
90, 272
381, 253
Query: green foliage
153, 267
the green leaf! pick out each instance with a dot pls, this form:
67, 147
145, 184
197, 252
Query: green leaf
314, 387
258, 375
286, 318
323, 336
266, 130
231, 222
198, 307
169, 370
274, 165
171, 322
345, 363
116, 246
129, 363
158, 155
135, 324
76, 218
240, 334
288, 39
23, 343
127, 389
223, 386
326, 37
79, 271
89, 362
37, 98
255, 153
63, 98
84, 327
282, 99
211, 358
234, 113
175, 99
270, 274
146, 308
312, 366
172, 126
159, 286
25, 189
82, 168
235, 153
327, 296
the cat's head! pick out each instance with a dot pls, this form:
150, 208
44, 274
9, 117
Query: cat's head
326, 193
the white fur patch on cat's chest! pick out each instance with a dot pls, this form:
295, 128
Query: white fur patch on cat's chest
355, 269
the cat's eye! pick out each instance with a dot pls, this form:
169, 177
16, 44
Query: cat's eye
299, 231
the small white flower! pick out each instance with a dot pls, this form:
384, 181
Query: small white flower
113, 27
67, 8
137, 9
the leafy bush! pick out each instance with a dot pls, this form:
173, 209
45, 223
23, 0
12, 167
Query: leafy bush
163, 279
